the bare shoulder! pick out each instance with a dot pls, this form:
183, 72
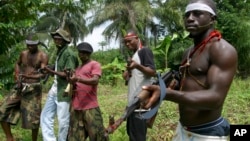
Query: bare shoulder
23, 54
43, 54
222, 51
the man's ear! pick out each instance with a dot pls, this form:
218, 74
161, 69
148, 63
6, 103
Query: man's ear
213, 18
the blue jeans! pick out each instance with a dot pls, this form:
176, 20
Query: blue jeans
52, 107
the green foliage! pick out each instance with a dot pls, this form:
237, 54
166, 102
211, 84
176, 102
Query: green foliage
112, 65
19, 19
112, 72
234, 23
64, 14
112, 100
7, 62
168, 52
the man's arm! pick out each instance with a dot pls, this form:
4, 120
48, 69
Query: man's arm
94, 80
88, 81
147, 65
71, 62
219, 78
146, 70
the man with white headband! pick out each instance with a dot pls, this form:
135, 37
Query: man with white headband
207, 70
27, 96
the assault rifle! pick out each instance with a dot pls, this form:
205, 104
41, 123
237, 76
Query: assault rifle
171, 79
19, 83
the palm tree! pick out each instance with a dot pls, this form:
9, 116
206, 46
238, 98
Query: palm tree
103, 44
124, 15
170, 14
66, 14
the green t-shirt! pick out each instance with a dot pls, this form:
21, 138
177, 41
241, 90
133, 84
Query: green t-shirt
66, 59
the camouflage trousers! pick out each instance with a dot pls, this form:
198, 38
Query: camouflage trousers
87, 123
26, 105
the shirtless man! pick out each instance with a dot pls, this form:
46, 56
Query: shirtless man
208, 68
28, 101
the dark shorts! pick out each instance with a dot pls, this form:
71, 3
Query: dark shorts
27, 106
219, 127
87, 123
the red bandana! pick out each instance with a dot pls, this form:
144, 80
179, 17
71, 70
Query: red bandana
132, 35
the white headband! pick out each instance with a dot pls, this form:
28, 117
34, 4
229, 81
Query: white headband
199, 6
29, 42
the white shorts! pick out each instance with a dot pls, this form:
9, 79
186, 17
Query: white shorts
183, 135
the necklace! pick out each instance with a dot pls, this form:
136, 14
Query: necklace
186, 63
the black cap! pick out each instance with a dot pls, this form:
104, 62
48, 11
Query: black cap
84, 46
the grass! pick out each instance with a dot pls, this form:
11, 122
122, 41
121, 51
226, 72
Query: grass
113, 100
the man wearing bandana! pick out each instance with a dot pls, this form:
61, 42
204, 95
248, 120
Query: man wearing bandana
141, 69
208, 68
25, 99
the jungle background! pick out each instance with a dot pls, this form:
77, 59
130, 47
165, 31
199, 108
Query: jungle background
160, 26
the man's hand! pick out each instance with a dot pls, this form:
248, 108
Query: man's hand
132, 65
155, 95
48, 69
73, 78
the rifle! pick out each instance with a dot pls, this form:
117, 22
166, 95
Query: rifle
43, 71
171, 79
128, 60
68, 90
19, 85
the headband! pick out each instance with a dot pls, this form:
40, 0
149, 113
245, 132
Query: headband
130, 35
199, 6
30, 42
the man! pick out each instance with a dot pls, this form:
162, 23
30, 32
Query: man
56, 103
141, 69
26, 98
207, 69
86, 118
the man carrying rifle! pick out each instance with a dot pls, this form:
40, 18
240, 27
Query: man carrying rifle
208, 68
56, 103
26, 97
142, 69
86, 118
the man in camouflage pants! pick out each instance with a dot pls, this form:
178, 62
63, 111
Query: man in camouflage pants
25, 99
86, 118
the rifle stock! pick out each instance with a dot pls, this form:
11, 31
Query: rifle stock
143, 96
129, 72
68, 90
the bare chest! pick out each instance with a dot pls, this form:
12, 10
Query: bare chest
31, 60
199, 64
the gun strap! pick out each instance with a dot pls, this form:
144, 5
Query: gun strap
153, 111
